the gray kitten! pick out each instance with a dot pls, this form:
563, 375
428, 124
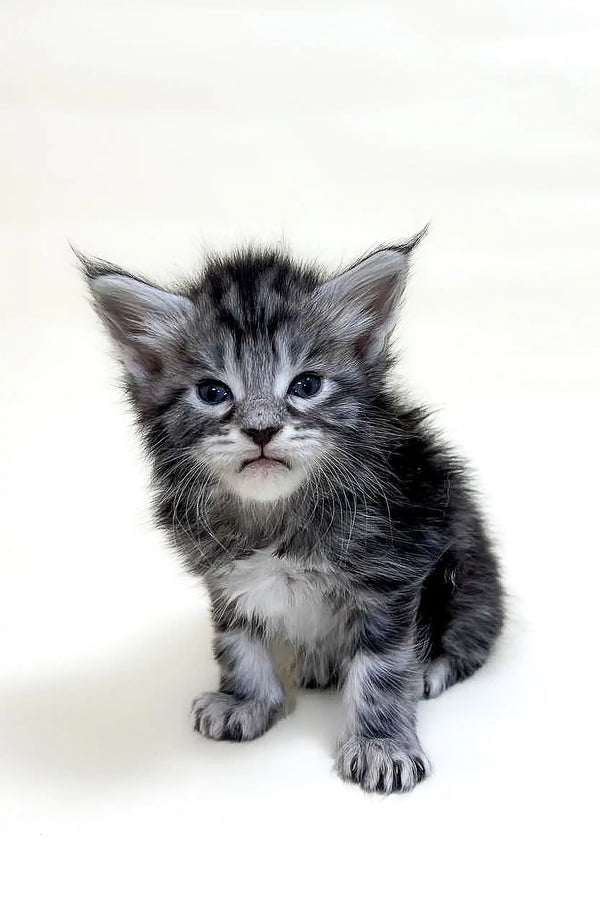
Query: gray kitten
319, 507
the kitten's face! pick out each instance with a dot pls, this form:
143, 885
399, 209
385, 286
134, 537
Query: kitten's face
261, 372
275, 411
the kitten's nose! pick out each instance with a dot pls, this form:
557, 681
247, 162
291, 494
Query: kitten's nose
261, 436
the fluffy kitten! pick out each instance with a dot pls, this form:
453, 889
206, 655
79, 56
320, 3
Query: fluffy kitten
317, 505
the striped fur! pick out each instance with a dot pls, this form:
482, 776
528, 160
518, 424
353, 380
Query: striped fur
358, 542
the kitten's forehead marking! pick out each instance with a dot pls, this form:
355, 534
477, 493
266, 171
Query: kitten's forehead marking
283, 377
257, 358
257, 371
232, 374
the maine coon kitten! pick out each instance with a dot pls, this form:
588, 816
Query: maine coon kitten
317, 505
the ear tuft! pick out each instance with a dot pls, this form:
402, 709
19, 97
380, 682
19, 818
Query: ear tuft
92, 266
408, 246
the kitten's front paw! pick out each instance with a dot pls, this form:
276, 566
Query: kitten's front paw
223, 717
381, 765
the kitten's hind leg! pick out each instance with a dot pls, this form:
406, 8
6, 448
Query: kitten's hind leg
463, 614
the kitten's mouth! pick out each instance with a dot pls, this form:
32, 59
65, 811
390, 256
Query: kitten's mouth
264, 463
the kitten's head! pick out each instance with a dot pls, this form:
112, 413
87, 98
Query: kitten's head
261, 371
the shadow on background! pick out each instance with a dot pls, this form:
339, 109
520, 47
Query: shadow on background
111, 716
115, 717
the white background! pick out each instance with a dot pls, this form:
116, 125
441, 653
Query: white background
147, 133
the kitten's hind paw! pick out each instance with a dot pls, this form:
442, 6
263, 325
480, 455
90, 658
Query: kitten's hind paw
224, 717
381, 765
437, 677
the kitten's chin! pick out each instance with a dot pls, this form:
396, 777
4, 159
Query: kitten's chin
264, 482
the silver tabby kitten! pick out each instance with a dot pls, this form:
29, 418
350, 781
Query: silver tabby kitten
320, 509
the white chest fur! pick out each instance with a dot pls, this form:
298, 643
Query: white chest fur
292, 600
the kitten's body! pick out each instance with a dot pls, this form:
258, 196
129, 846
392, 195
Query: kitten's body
356, 541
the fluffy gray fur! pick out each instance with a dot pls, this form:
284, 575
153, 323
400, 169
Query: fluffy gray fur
318, 506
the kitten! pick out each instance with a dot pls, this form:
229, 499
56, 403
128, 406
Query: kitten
319, 507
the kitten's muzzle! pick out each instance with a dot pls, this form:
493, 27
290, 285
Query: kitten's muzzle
260, 419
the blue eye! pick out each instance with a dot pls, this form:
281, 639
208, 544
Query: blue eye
213, 392
305, 386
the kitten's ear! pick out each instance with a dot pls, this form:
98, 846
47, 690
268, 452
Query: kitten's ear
145, 322
366, 297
